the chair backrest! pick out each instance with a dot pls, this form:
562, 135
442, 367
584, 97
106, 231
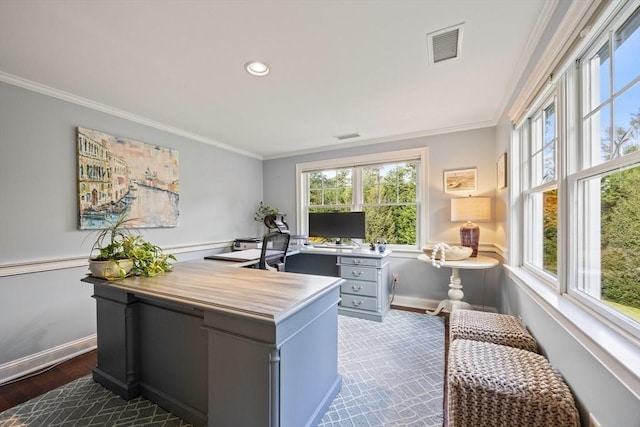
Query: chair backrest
274, 251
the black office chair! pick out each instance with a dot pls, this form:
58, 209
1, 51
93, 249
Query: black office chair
274, 251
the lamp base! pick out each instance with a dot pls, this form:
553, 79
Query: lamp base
470, 236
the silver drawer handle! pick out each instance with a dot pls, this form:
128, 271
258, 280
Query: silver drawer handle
357, 261
356, 303
356, 288
356, 273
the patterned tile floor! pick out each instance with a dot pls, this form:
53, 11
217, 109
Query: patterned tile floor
392, 375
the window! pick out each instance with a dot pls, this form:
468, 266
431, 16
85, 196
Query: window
606, 188
330, 190
610, 93
390, 202
389, 187
608, 244
580, 175
540, 192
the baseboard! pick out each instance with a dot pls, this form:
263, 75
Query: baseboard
415, 302
429, 304
36, 362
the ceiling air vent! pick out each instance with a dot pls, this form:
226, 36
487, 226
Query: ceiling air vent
348, 136
444, 44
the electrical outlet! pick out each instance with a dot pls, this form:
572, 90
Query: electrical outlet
396, 278
593, 422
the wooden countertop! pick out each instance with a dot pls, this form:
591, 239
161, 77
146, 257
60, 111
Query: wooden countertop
218, 285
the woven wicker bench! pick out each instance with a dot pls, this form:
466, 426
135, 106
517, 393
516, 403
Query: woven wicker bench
496, 385
490, 327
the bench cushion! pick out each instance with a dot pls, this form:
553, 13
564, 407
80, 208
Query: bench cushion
496, 385
496, 328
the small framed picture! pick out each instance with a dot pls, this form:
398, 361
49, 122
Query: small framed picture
460, 180
501, 172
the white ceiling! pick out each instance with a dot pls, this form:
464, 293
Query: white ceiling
338, 67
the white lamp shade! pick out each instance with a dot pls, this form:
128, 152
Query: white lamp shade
471, 209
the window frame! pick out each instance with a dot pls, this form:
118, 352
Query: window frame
419, 155
532, 242
609, 315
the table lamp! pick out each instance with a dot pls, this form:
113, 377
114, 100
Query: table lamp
471, 209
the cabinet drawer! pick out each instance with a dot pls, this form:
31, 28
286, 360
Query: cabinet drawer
358, 273
358, 301
347, 260
357, 287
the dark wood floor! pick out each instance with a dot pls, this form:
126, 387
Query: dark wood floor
25, 389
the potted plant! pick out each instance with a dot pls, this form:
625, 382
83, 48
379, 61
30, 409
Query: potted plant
264, 210
265, 215
122, 252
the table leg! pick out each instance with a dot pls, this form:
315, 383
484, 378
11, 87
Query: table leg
455, 295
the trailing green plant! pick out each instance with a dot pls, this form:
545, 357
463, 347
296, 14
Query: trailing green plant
148, 259
118, 242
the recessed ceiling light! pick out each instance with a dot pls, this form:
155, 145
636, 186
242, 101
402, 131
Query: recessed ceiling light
257, 68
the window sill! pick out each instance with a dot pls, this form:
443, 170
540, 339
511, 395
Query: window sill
619, 353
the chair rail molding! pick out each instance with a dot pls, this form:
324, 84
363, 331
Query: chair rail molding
38, 266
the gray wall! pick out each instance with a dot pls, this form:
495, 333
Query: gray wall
420, 284
219, 192
594, 388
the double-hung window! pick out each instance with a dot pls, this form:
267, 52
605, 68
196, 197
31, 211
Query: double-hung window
579, 175
389, 187
605, 190
540, 195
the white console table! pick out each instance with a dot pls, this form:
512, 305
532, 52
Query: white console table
455, 282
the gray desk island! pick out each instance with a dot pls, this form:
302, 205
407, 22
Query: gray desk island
222, 346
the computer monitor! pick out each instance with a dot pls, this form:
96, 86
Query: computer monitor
337, 225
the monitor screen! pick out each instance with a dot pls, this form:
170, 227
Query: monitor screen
337, 225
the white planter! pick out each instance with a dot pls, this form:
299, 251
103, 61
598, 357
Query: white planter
110, 269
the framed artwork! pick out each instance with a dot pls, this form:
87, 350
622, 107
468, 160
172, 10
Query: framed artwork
118, 174
460, 180
501, 172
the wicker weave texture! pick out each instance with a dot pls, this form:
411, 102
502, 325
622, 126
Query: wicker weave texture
495, 385
490, 327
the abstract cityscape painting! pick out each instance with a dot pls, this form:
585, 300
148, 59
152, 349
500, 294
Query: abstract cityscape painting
117, 175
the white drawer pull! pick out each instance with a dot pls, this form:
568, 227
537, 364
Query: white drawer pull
357, 261
356, 273
356, 303
356, 288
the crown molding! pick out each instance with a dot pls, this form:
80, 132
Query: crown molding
390, 138
534, 38
569, 29
84, 102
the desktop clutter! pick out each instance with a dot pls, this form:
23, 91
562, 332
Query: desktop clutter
380, 246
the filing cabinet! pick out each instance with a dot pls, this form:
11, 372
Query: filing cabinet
365, 292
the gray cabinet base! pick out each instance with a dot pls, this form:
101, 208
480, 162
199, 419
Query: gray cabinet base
220, 368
